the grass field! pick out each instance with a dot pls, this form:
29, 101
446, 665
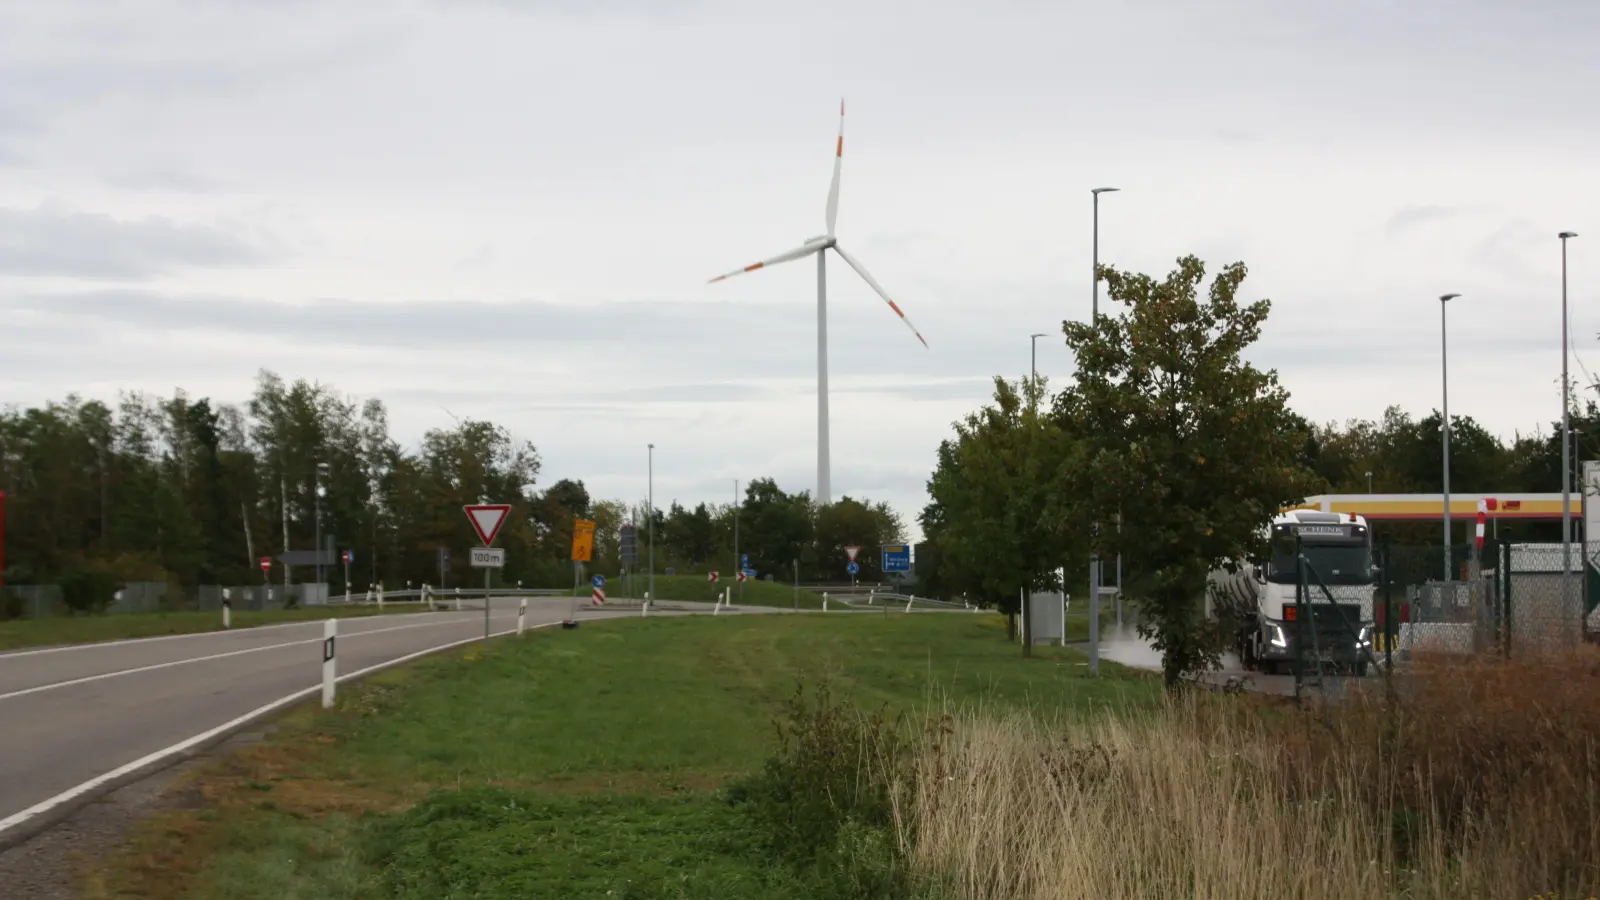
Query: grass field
569, 764
695, 588
21, 633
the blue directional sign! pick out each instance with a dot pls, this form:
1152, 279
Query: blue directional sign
897, 557
852, 568
744, 560
749, 572
598, 581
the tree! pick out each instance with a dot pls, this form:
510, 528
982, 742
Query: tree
996, 511
1195, 447
775, 528
855, 522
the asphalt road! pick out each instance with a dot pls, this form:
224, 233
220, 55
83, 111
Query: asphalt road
72, 714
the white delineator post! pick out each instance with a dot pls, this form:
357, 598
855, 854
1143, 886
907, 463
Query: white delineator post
330, 630
227, 604
522, 614
380, 595
870, 592
824, 601
910, 600
458, 599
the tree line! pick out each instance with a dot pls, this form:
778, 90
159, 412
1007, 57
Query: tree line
191, 491
1169, 449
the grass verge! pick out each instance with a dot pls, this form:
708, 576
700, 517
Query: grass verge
22, 633
695, 588
573, 764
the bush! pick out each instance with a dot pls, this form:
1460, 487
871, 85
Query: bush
88, 588
829, 801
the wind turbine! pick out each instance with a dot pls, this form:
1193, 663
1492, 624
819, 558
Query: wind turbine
820, 246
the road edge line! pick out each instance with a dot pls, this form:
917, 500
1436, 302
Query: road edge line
23, 826
118, 642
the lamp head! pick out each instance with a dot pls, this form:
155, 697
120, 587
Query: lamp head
1567, 234
1040, 334
1447, 297
1103, 190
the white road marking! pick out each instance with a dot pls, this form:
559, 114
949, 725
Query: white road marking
100, 645
197, 659
68, 795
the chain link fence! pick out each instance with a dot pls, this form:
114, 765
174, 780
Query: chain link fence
1511, 598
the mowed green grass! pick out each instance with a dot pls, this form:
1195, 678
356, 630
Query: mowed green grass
572, 764
83, 629
696, 589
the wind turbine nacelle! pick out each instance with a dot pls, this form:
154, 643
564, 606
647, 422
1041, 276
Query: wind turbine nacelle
822, 241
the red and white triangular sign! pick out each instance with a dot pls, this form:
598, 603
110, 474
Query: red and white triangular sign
851, 552
486, 519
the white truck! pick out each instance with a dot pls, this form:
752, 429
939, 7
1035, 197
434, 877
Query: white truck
1260, 602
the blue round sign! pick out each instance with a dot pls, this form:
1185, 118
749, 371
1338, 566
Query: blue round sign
852, 568
598, 581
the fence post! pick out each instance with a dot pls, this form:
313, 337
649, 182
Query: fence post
1390, 630
330, 631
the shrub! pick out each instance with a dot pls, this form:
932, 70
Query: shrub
829, 801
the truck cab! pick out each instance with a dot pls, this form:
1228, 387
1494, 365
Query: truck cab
1260, 600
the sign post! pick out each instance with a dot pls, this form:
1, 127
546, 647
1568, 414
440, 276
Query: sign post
486, 519
349, 556
852, 567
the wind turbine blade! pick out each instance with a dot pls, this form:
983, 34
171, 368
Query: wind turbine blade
796, 253
873, 282
838, 161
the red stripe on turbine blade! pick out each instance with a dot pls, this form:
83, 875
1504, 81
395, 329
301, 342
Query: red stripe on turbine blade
840, 151
896, 309
753, 266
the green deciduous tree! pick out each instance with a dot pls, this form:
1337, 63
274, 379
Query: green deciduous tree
997, 516
1193, 446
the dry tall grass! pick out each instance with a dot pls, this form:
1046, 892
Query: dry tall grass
1485, 783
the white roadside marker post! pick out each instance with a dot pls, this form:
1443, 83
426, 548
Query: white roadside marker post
870, 592
522, 614
910, 600
458, 599
227, 609
824, 601
330, 630
380, 595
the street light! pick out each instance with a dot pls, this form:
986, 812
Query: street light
322, 468
1094, 558
650, 524
1444, 426
1566, 442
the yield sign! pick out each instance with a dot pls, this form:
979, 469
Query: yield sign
486, 519
851, 552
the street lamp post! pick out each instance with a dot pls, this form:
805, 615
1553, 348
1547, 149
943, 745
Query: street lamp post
322, 467
1094, 558
1566, 442
1444, 425
650, 523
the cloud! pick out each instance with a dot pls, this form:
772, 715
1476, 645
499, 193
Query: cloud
162, 177
53, 241
1412, 216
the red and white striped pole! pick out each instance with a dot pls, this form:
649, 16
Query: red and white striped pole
1483, 516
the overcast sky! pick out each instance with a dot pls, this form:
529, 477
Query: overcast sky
510, 209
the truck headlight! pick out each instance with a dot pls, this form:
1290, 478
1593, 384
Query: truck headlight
1364, 637
1277, 639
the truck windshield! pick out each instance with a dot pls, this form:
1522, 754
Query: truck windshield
1334, 563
